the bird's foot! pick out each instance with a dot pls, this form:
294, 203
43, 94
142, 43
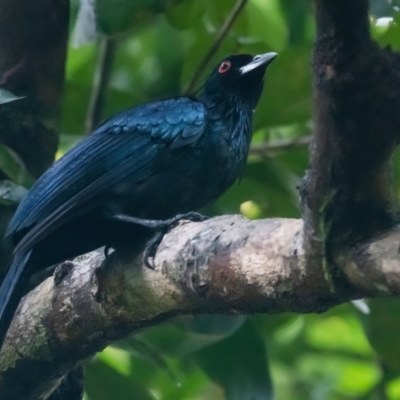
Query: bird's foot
161, 226
158, 224
151, 248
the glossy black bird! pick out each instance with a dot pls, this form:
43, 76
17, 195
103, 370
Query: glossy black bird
153, 161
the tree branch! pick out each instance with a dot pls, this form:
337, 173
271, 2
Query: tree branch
102, 75
223, 265
266, 148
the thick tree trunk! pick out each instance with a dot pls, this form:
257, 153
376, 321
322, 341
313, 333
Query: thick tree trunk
348, 193
33, 47
33, 44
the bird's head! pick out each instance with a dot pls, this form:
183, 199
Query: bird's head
239, 76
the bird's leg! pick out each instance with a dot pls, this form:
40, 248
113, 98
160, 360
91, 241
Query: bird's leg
159, 225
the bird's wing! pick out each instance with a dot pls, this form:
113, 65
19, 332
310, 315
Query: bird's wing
178, 121
121, 150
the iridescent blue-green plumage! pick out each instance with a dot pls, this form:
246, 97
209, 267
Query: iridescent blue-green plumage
154, 161
89, 175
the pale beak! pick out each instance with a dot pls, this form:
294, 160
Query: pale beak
259, 60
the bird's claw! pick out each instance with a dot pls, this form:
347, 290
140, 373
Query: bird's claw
107, 251
152, 247
190, 216
160, 226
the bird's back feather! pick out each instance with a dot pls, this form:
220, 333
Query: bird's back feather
120, 150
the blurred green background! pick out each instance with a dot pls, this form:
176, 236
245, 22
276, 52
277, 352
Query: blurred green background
155, 48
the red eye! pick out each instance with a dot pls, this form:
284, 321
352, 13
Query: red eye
224, 67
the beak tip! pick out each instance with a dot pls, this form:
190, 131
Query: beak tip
271, 56
258, 61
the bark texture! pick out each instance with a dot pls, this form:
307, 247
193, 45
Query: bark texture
348, 193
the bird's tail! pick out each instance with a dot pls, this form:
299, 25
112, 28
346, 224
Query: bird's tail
11, 291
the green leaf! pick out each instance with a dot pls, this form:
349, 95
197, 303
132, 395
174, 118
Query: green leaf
382, 327
11, 193
215, 326
298, 16
188, 336
239, 364
270, 172
105, 382
266, 23
199, 47
112, 17
268, 185
186, 14
388, 34
295, 159
12, 166
143, 350
286, 327
285, 101
7, 97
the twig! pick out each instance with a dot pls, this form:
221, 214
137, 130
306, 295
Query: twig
101, 79
267, 147
230, 20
